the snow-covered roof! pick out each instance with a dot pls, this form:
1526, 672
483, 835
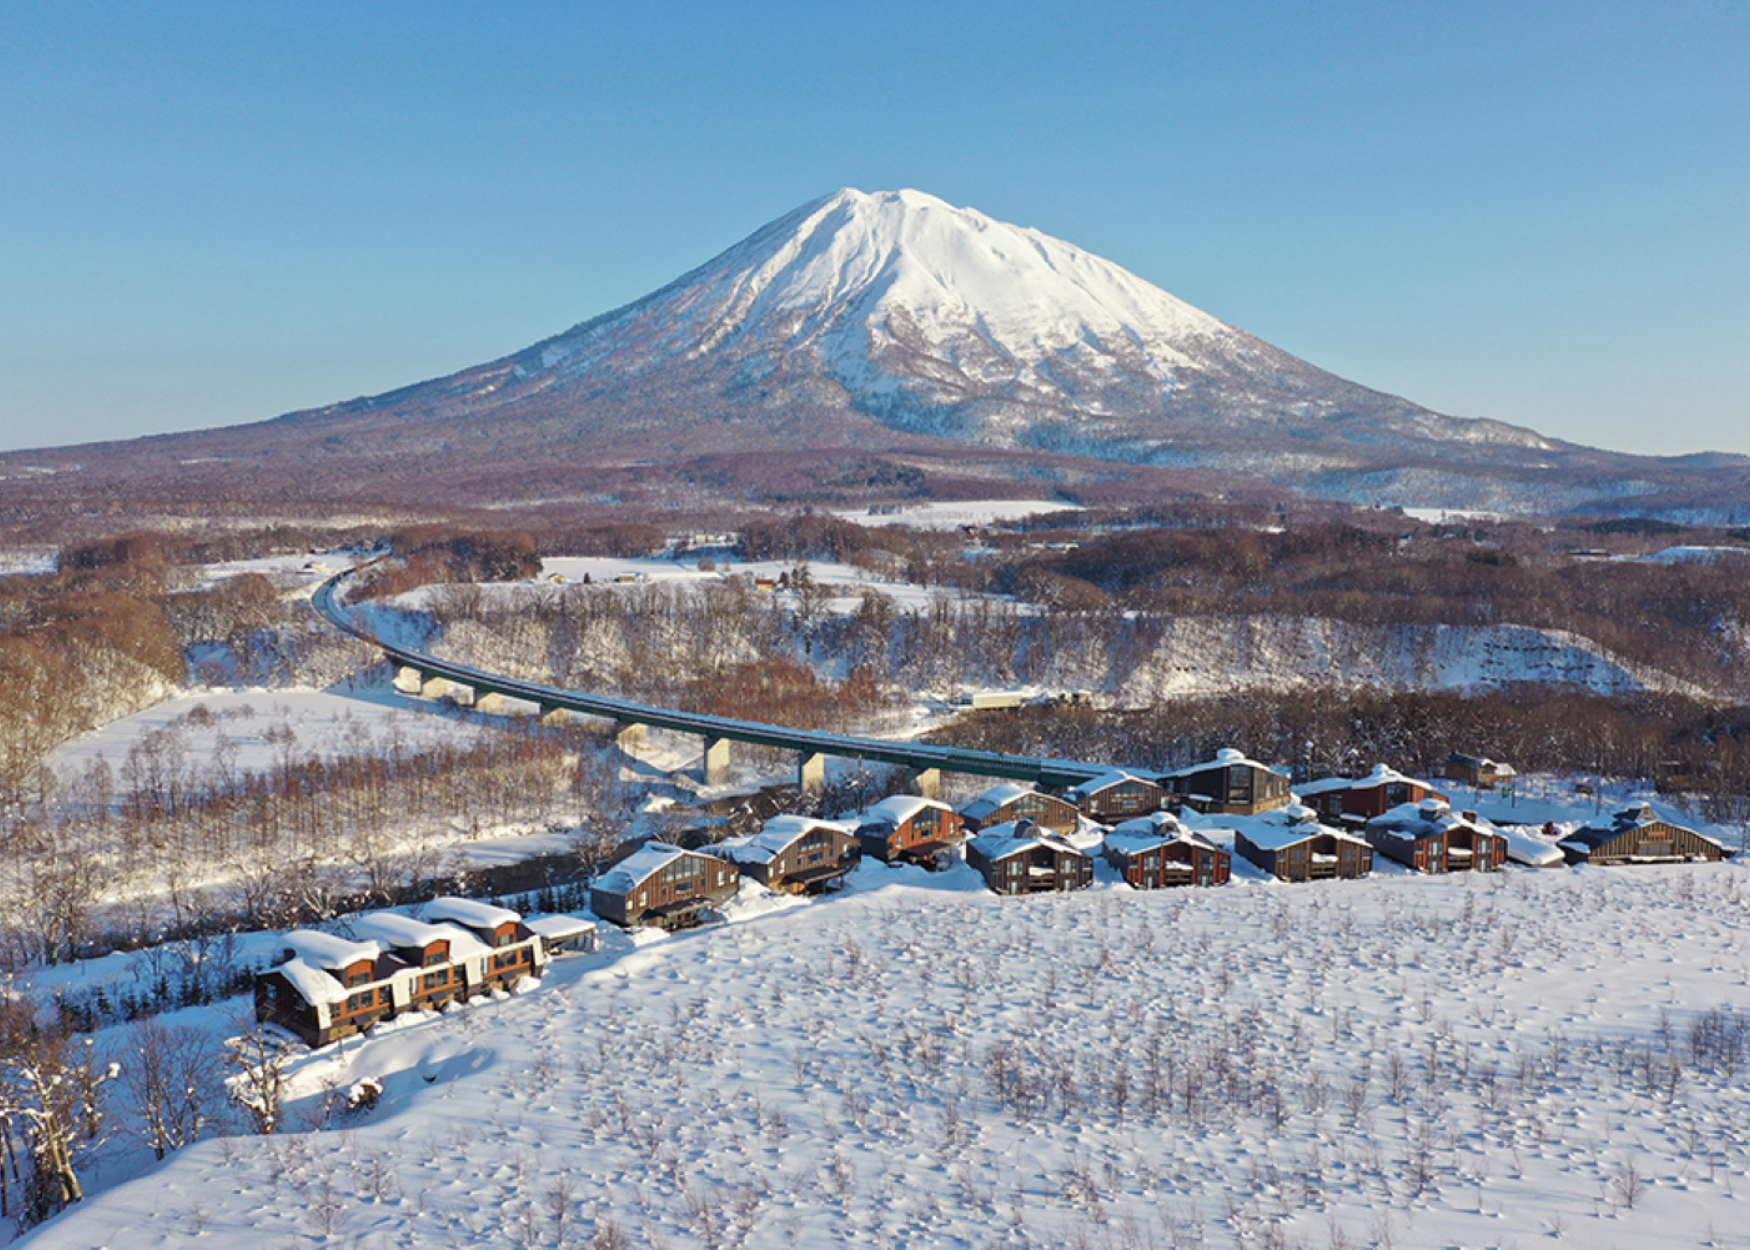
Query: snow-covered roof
896, 809
1224, 758
1000, 846
1426, 818
1381, 775
775, 837
395, 930
315, 985
1105, 781
625, 875
1591, 837
470, 912
560, 928
1286, 826
1482, 763
1146, 833
994, 798
1012, 829
1155, 824
325, 950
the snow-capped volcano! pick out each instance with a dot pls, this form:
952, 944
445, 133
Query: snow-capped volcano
902, 291
877, 341
903, 311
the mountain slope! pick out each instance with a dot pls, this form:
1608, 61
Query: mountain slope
938, 320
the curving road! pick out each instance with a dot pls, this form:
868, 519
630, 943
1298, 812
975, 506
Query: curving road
805, 742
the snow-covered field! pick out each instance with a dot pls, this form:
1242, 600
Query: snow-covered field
943, 516
257, 727
1463, 1061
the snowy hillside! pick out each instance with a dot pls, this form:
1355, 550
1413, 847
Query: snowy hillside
1211, 655
1406, 1061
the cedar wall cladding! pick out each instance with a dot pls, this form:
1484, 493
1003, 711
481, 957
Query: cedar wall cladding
908, 830
676, 886
1650, 842
1178, 862
810, 861
1236, 789
1131, 797
1029, 866
1318, 857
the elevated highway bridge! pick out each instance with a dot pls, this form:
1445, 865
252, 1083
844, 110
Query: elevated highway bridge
438, 678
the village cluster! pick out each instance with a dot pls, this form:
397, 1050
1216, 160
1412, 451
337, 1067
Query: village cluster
1154, 831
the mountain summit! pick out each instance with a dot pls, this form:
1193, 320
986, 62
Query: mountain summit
899, 309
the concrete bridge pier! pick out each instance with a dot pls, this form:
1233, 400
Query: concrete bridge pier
491, 703
408, 680
433, 687
631, 735
716, 761
927, 782
811, 772
551, 715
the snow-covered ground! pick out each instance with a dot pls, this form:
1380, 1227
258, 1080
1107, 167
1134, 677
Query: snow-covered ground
1458, 1061
259, 727
944, 516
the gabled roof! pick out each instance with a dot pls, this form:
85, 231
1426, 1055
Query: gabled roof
326, 950
1147, 833
1225, 758
624, 876
995, 845
1591, 837
1481, 762
313, 984
470, 912
995, 798
1289, 826
774, 838
1382, 775
395, 930
1105, 781
1428, 818
896, 809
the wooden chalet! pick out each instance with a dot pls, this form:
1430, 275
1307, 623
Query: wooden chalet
794, 854
329, 987
1291, 845
1427, 836
1116, 795
1361, 799
1151, 852
1023, 858
663, 886
1012, 801
1476, 771
911, 829
1637, 836
1230, 785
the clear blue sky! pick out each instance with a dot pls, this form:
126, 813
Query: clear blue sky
215, 213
